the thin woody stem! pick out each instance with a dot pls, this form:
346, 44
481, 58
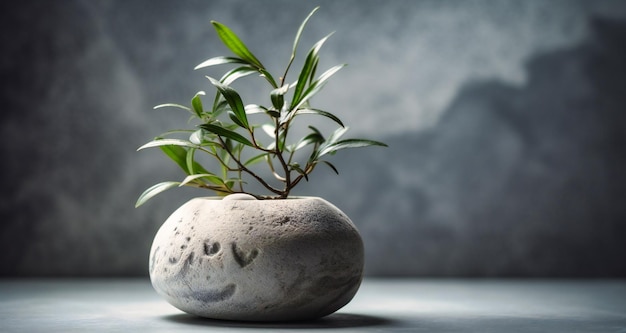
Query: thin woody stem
281, 159
248, 171
309, 168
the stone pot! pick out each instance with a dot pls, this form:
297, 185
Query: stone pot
257, 260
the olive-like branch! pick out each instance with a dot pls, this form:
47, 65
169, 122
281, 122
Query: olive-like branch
225, 130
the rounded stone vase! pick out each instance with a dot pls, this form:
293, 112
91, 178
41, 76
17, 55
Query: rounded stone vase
257, 260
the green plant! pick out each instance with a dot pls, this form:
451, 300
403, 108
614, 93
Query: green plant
226, 131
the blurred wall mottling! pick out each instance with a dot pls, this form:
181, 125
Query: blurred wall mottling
506, 123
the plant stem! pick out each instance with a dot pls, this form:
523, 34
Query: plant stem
284, 77
248, 171
281, 159
307, 170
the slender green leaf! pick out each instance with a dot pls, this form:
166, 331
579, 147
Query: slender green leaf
196, 103
300, 29
223, 158
229, 182
208, 176
277, 96
235, 120
348, 143
219, 106
220, 61
331, 166
189, 159
177, 154
338, 133
322, 113
273, 113
269, 129
316, 136
173, 105
172, 132
168, 142
296, 166
285, 117
232, 41
330, 72
256, 159
154, 190
314, 70
315, 130
301, 144
221, 131
309, 63
197, 137
296, 41
233, 99
254, 109
237, 73
309, 139
268, 77
237, 150
317, 85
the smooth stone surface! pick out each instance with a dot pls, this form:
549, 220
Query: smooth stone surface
257, 260
239, 196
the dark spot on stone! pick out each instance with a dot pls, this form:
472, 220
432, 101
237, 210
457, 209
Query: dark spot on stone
185, 269
211, 249
173, 260
188, 238
242, 258
210, 296
184, 246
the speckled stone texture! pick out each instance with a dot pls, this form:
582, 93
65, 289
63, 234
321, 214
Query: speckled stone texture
257, 260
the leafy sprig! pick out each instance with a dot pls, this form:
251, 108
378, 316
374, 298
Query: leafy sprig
226, 133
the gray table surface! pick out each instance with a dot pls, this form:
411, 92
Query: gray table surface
381, 305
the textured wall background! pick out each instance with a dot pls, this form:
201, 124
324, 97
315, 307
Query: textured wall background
506, 123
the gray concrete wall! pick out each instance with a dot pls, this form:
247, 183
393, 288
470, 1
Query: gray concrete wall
506, 124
